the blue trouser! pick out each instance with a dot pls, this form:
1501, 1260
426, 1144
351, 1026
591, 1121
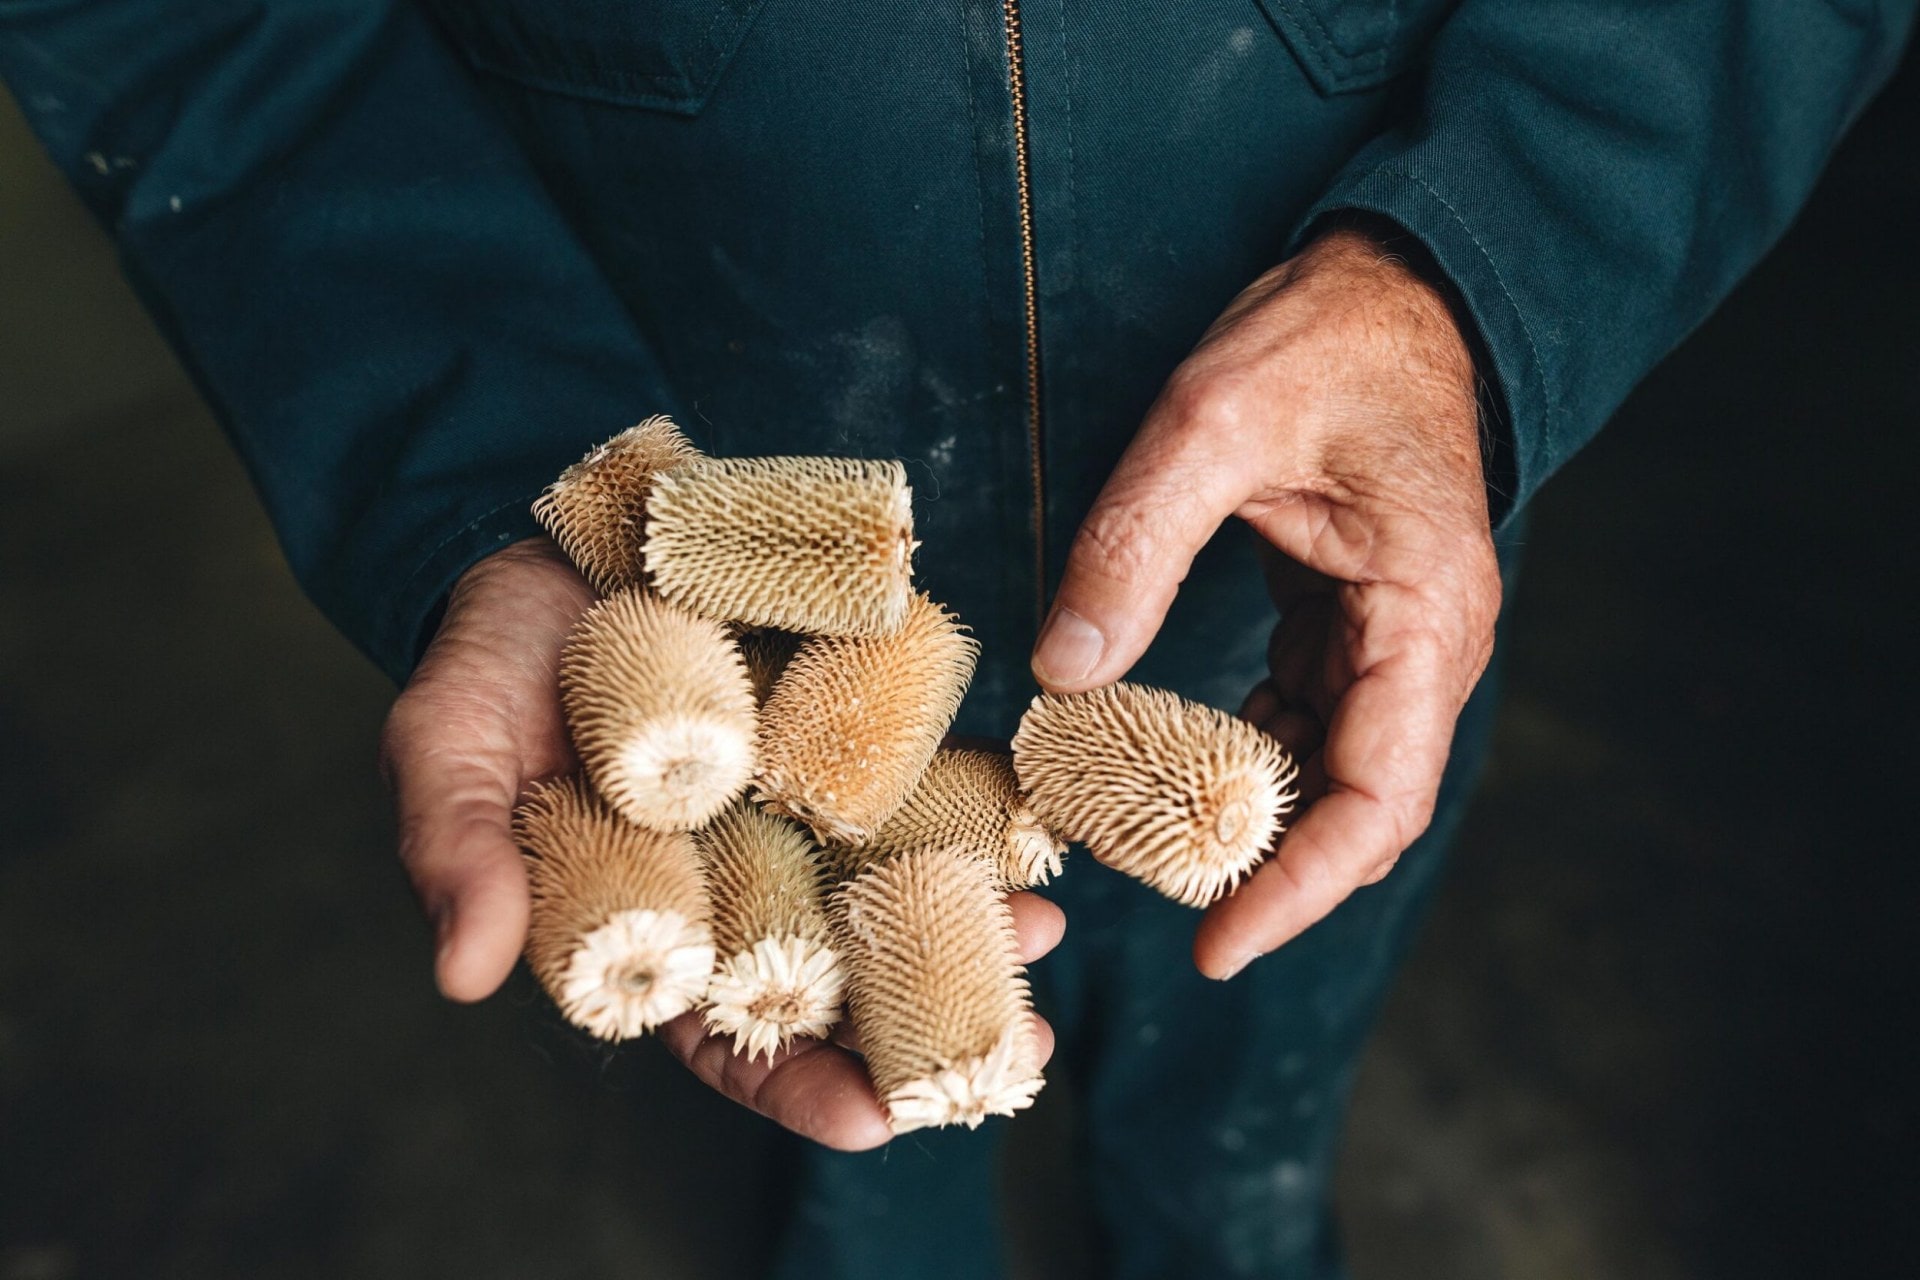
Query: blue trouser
1212, 1111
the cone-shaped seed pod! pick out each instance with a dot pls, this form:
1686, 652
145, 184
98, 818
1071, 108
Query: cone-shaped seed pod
778, 975
1181, 796
970, 801
596, 510
661, 709
854, 720
936, 990
767, 652
818, 545
619, 929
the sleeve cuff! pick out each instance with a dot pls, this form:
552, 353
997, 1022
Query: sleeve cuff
1516, 406
412, 613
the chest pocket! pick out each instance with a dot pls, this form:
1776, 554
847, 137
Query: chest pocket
664, 54
1350, 45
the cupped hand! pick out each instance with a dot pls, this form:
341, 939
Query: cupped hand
1332, 407
479, 720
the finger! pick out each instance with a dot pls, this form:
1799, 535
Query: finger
1262, 704
1170, 491
1295, 650
814, 1088
1296, 729
456, 842
1038, 925
1386, 747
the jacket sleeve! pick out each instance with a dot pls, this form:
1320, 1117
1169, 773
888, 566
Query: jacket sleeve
357, 264
1593, 177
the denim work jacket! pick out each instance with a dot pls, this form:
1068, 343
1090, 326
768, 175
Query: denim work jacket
419, 257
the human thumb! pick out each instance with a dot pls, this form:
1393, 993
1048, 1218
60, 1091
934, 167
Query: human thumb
1163, 501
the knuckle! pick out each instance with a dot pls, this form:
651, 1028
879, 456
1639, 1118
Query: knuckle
1214, 401
1119, 540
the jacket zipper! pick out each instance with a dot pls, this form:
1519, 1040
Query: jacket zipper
1030, 281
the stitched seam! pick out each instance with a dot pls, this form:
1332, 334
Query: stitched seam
432, 556
979, 176
713, 49
1377, 56
1533, 349
1073, 173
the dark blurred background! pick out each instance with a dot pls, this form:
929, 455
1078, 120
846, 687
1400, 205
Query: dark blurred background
1658, 1025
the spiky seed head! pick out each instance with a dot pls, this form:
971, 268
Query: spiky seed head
779, 976
618, 933
779, 989
822, 546
968, 800
936, 990
597, 509
1181, 796
661, 709
767, 652
855, 719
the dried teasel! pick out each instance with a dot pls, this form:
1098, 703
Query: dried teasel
597, 509
936, 990
1181, 796
661, 709
855, 719
778, 975
618, 934
822, 546
767, 652
970, 801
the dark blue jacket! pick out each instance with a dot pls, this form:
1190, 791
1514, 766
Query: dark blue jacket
419, 257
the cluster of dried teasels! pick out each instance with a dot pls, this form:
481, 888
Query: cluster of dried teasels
767, 828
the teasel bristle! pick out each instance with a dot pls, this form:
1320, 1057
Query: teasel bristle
968, 800
618, 933
1181, 796
778, 975
936, 990
597, 509
661, 708
854, 720
821, 546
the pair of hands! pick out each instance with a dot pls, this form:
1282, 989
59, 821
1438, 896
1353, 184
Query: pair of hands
1332, 407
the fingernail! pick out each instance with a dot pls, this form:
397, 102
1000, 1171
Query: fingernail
1069, 649
1240, 964
442, 917
1260, 705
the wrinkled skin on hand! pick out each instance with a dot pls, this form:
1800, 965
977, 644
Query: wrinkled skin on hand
1332, 407
479, 720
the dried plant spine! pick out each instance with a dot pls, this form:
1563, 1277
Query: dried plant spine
597, 509
822, 546
767, 651
661, 708
778, 975
854, 720
618, 934
970, 801
936, 990
1181, 796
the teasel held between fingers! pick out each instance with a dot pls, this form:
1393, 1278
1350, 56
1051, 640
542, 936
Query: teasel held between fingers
767, 652
661, 709
936, 990
619, 933
778, 975
1179, 795
596, 510
969, 800
854, 721
822, 546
